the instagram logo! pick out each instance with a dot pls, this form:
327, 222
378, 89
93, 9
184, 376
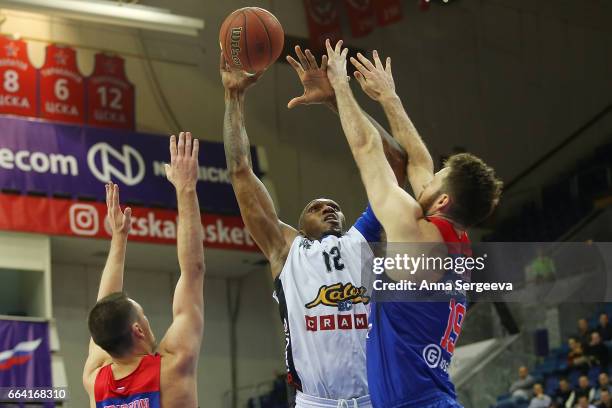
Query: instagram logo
84, 219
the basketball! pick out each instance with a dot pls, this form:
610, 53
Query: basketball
251, 39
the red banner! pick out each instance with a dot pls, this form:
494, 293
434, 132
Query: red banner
62, 89
110, 96
323, 22
54, 216
361, 15
388, 11
18, 90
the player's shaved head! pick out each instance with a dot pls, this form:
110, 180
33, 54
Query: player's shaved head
321, 216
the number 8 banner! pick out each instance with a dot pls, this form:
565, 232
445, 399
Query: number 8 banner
62, 89
18, 76
110, 96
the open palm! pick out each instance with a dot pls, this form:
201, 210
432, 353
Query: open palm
317, 88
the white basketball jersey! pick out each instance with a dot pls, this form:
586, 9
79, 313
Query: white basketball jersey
323, 308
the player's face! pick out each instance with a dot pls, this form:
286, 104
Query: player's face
431, 198
320, 217
143, 322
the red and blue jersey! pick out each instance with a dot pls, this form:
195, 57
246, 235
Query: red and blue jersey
140, 389
410, 344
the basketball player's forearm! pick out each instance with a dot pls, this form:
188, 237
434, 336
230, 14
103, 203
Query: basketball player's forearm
190, 237
367, 148
357, 128
235, 138
395, 154
112, 275
406, 133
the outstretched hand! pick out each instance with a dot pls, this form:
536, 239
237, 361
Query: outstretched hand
317, 88
119, 221
182, 171
375, 79
236, 79
336, 63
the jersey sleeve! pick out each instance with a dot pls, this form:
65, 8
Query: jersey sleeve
368, 225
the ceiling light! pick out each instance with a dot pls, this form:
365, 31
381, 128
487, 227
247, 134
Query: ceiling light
111, 12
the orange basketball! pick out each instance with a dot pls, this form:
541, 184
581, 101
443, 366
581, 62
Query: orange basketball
251, 39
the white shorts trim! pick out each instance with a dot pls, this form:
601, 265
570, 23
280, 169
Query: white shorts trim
308, 401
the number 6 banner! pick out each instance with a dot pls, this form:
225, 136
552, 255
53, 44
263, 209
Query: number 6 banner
62, 89
110, 96
18, 76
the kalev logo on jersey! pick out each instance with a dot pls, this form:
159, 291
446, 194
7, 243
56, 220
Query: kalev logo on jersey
75, 161
340, 295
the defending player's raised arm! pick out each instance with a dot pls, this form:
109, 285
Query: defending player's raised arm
183, 338
395, 208
111, 280
318, 90
256, 207
377, 82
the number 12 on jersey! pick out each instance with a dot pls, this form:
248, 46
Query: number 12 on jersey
333, 259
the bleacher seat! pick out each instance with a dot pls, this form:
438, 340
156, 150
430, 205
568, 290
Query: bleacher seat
551, 384
594, 374
573, 376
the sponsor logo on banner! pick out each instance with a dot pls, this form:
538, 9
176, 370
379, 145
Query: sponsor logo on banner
130, 174
75, 161
83, 219
56, 216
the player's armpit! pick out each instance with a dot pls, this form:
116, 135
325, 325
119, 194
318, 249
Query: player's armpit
96, 358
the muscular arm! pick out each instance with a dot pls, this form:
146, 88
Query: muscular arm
391, 204
394, 153
184, 336
420, 163
256, 207
399, 213
376, 80
111, 280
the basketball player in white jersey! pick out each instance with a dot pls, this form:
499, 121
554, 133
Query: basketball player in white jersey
316, 267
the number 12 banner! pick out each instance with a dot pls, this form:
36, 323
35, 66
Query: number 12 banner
110, 96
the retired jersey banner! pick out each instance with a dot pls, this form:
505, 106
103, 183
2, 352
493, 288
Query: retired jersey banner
110, 96
75, 161
62, 87
323, 22
361, 16
56, 216
25, 359
388, 11
18, 76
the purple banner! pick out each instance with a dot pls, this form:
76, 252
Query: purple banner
25, 358
75, 161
